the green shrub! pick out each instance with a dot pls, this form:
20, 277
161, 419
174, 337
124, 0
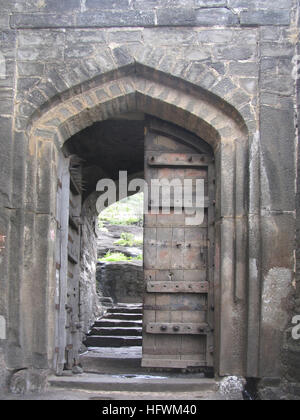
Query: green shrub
114, 256
119, 256
128, 239
138, 258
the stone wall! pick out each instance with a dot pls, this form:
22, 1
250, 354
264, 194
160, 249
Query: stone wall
4, 374
90, 307
145, 13
292, 347
122, 281
240, 54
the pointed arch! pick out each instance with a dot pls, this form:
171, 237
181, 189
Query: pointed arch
140, 88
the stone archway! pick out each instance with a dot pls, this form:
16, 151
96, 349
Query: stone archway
138, 88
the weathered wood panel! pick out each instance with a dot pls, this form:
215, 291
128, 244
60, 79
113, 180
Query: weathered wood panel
178, 262
72, 306
62, 215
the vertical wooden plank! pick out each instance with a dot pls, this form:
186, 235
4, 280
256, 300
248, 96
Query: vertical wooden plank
74, 278
150, 248
183, 253
210, 265
62, 260
178, 244
149, 316
164, 247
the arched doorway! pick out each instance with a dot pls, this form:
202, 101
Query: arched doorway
203, 115
179, 249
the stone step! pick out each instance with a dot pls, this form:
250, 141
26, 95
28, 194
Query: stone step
134, 383
127, 317
106, 301
117, 323
121, 310
116, 331
106, 305
113, 360
112, 341
126, 305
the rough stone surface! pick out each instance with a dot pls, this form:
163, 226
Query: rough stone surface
3, 372
265, 17
219, 61
2, 328
28, 381
111, 234
232, 388
90, 306
292, 347
65, 394
122, 281
151, 13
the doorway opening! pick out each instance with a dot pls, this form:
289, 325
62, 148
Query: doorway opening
120, 250
117, 335
187, 114
112, 243
167, 301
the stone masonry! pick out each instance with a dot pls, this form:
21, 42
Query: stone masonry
222, 69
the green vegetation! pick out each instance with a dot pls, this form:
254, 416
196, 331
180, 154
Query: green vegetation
128, 239
101, 226
125, 212
129, 211
119, 256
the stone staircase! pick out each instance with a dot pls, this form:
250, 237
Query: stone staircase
120, 327
112, 363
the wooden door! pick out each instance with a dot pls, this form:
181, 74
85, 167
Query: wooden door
73, 326
178, 261
62, 220
68, 211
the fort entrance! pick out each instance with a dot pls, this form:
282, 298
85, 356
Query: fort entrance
195, 276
